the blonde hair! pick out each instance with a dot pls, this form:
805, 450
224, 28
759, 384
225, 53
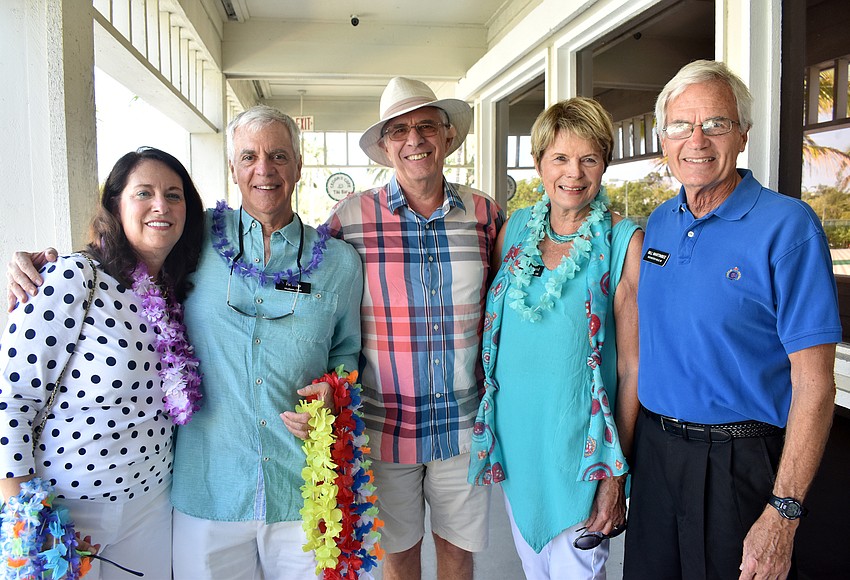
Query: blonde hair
580, 116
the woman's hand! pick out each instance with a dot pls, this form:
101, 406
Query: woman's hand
85, 545
609, 505
297, 423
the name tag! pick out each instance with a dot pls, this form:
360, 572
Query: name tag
300, 287
656, 257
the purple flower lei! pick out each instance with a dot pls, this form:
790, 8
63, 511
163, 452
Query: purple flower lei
248, 270
181, 381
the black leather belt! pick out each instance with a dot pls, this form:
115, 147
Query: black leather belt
720, 433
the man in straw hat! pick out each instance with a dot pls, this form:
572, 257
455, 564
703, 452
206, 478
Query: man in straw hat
425, 245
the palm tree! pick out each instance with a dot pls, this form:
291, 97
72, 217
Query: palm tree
819, 156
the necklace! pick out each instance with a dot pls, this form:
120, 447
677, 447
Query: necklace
234, 261
566, 270
555, 236
181, 381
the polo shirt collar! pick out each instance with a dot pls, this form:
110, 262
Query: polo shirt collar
396, 198
737, 205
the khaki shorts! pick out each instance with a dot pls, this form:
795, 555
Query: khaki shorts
460, 513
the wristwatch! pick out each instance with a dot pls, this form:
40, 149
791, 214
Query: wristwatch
788, 507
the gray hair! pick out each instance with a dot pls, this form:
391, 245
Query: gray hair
260, 116
703, 71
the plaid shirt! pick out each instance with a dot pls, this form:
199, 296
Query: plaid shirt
425, 284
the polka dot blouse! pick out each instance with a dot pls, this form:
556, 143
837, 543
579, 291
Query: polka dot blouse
107, 437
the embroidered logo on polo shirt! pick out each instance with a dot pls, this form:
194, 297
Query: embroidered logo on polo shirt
734, 274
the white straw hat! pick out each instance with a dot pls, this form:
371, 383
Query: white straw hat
404, 95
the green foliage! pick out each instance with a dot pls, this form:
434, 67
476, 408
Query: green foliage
832, 205
527, 194
644, 195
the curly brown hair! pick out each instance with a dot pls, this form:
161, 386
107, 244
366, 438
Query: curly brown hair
108, 243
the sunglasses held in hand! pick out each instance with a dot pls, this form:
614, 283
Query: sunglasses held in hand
589, 540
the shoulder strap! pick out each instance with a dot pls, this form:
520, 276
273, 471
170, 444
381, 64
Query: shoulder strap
37, 429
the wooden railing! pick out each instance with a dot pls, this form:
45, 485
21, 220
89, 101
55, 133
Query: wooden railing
635, 139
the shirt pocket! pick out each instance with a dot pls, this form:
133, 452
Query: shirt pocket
315, 316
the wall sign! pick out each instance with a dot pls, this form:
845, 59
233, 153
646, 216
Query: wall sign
339, 185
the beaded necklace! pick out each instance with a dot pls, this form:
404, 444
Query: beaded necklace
556, 237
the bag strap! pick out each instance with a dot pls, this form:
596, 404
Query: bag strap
37, 429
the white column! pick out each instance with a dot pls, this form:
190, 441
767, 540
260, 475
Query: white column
48, 126
748, 40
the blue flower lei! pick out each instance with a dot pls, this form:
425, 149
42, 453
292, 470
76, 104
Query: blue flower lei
29, 520
249, 270
522, 270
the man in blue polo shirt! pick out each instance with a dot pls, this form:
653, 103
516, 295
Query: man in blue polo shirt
738, 325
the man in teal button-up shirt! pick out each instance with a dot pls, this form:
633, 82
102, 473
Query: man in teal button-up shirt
237, 469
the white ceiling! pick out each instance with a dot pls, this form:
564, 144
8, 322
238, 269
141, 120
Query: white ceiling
286, 47
442, 12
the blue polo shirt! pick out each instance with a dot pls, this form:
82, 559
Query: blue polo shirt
724, 299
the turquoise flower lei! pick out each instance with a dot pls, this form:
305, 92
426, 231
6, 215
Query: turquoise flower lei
30, 520
566, 270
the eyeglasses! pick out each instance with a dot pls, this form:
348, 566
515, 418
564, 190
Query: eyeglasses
589, 540
425, 129
710, 128
263, 316
297, 287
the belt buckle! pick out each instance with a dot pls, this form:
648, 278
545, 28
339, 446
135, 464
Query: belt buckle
671, 421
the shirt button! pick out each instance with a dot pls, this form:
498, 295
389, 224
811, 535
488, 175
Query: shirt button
439, 395
256, 260
259, 300
436, 361
436, 327
259, 381
265, 458
256, 341
262, 422
253, 224
690, 234
433, 292
318, 295
427, 226
430, 258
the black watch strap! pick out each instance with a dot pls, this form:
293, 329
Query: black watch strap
788, 507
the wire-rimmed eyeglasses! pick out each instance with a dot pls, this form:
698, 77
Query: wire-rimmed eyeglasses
297, 289
589, 540
710, 128
425, 129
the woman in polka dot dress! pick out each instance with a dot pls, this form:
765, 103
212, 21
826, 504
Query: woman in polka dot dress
107, 440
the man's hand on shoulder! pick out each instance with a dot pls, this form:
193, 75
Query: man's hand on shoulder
768, 547
23, 276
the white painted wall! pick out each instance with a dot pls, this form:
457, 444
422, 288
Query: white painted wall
548, 39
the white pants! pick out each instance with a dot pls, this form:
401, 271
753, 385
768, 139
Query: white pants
253, 550
135, 534
559, 558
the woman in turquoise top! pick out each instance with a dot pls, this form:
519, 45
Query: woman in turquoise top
557, 418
